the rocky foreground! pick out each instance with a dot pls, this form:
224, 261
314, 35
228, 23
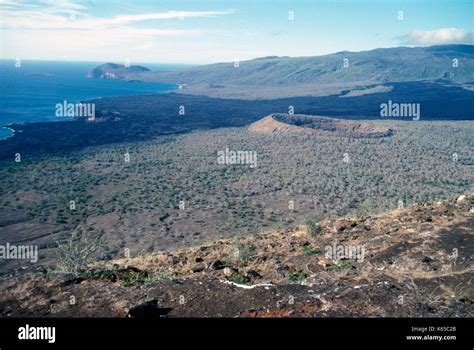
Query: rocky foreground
416, 262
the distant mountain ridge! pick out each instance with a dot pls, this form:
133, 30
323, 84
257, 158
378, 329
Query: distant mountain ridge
271, 77
381, 65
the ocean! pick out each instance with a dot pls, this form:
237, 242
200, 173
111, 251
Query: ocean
30, 92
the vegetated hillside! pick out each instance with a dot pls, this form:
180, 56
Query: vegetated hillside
271, 77
317, 125
115, 71
136, 204
414, 262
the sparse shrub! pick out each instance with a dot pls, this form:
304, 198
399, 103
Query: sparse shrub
310, 250
129, 278
159, 277
296, 277
238, 278
338, 266
245, 252
427, 302
79, 250
313, 227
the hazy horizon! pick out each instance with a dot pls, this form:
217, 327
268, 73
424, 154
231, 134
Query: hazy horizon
185, 65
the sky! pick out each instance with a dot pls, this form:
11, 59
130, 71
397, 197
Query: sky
208, 31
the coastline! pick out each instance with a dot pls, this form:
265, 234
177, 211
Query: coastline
75, 88
11, 133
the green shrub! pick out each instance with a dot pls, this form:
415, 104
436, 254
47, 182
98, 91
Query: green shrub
314, 228
238, 278
296, 277
311, 251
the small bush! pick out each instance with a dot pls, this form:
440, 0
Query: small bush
297, 277
314, 228
129, 278
338, 266
238, 278
245, 252
310, 250
79, 250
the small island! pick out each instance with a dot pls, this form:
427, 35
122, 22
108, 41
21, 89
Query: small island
115, 71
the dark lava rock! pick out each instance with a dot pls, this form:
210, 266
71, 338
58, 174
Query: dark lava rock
426, 259
148, 309
217, 265
198, 268
283, 270
253, 274
71, 279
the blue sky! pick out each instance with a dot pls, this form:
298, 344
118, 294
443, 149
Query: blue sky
201, 31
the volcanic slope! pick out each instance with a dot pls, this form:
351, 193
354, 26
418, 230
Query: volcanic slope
313, 125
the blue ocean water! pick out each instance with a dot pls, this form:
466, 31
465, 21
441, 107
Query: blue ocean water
30, 92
